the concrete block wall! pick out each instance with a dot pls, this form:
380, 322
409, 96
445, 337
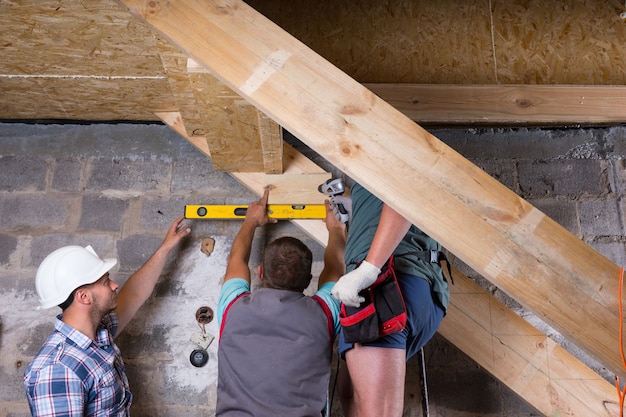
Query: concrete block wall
118, 187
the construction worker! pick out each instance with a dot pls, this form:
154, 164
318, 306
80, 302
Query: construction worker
79, 370
373, 383
275, 347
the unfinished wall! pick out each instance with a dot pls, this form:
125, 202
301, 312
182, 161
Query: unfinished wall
118, 187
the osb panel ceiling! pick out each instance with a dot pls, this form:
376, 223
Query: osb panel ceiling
78, 60
93, 61
462, 42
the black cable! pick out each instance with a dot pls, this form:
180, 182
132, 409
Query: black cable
333, 387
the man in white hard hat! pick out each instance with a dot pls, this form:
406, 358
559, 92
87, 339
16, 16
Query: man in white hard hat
79, 370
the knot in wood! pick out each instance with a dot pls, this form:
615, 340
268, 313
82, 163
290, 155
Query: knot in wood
346, 150
523, 103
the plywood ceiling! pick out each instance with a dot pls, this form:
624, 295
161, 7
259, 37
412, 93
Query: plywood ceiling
71, 59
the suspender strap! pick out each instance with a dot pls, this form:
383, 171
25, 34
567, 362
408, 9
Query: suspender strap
329, 318
243, 294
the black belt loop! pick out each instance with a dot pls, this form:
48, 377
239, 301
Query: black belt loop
443, 257
433, 257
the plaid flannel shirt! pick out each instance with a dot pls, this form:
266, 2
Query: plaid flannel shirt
73, 375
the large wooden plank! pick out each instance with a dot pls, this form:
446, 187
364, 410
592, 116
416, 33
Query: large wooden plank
522, 357
506, 104
496, 338
550, 271
137, 98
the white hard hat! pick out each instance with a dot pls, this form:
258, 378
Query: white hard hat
66, 269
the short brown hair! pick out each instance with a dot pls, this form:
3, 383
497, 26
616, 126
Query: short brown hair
287, 264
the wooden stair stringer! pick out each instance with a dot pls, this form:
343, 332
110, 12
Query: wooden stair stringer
491, 334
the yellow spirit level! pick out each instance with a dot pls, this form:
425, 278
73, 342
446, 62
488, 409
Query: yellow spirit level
275, 211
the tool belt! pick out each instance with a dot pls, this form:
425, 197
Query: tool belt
383, 312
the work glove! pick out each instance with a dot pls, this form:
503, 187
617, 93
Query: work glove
342, 208
347, 288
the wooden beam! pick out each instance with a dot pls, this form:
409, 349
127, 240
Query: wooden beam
271, 136
496, 338
181, 85
547, 269
238, 138
531, 364
175, 121
511, 105
298, 188
241, 137
286, 184
100, 98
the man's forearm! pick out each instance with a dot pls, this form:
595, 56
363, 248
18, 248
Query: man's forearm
239, 256
391, 229
256, 216
142, 282
334, 264
139, 286
242, 245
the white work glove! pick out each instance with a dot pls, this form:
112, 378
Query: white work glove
347, 288
342, 208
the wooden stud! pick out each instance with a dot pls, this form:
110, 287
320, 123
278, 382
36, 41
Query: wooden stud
511, 105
